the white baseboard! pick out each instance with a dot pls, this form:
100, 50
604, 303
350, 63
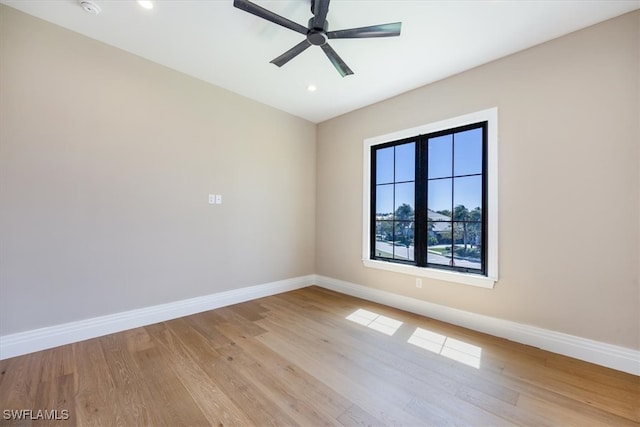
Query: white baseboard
611, 356
53, 336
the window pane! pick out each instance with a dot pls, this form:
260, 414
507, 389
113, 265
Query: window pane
466, 253
467, 195
406, 162
384, 201
474, 230
468, 152
438, 216
475, 215
384, 165
404, 240
440, 152
441, 231
405, 201
439, 196
439, 242
384, 239
439, 235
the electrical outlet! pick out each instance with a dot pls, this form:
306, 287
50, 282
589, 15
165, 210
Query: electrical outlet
418, 283
212, 199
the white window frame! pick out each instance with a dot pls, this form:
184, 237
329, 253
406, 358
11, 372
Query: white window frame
491, 117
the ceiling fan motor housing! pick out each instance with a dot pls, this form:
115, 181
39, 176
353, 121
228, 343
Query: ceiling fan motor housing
317, 36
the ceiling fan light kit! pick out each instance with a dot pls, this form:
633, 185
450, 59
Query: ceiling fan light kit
316, 32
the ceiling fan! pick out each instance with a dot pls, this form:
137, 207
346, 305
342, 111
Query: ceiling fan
316, 32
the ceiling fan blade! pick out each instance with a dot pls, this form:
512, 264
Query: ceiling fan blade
263, 13
320, 9
291, 53
383, 30
337, 62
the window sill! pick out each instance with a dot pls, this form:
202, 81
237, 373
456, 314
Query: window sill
449, 276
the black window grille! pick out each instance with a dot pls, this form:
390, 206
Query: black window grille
429, 200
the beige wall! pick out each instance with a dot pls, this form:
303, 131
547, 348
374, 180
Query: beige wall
106, 161
568, 184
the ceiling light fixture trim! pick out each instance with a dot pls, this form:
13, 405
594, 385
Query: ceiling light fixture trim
90, 7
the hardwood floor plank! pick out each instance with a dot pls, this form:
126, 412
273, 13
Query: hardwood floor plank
95, 390
382, 400
504, 410
57, 362
137, 339
250, 310
559, 414
21, 378
172, 402
433, 414
355, 416
408, 359
301, 410
392, 376
256, 406
230, 315
597, 415
313, 357
595, 373
199, 348
620, 403
214, 404
301, 384
56, 396
205, 324
4, 365
533, 364
129, 383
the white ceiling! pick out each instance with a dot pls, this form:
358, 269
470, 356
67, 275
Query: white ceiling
215, 42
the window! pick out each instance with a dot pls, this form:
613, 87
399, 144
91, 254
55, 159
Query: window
436, 220
430, 200
393, 201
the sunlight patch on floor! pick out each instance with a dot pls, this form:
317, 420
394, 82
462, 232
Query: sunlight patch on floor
386, 325
451, 348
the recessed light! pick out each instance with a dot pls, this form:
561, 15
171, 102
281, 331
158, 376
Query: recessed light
90, 7
312, 88
147, 4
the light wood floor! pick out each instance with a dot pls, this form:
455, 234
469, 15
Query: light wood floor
314, 357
